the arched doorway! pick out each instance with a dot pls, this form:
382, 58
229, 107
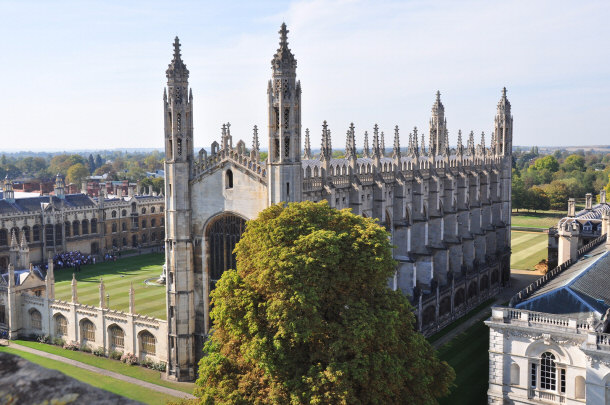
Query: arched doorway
222, 234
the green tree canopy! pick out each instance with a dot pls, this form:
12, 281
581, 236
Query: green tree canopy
308, 318
547, 163
77, 173
573, 162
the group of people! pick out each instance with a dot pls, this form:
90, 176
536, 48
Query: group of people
72, 259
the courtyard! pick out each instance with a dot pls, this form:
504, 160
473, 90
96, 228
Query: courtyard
118, 276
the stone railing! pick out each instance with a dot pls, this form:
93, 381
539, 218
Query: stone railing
546, 396
540, 320
603, 341
536, 285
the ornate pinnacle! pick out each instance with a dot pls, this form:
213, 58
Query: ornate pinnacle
376, 150
483, 139
255, 143
326, 152
307, 151
177, 66
396, 149
366, 152
460, 146
283, 35
423, 145
350, 142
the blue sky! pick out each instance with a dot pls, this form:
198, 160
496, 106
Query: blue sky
85, 74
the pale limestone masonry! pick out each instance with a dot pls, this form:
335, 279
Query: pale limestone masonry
552, 343
447, 209
28, 308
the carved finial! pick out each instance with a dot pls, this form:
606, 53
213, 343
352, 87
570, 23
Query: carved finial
504, 92
307, 149
283, 58
326, 152
13, 240
396, 149
102, 289
255, 143
350, 143
177, 66
366, 152
74, 294
382, 144
376, 148
415, 142
132, 299
460, 146
423, 145
438, 96
470, 146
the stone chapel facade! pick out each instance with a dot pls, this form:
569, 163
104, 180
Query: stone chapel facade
447, 209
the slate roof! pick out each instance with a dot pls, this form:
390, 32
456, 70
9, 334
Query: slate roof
582, 288
34, 203
595, 213
21, 275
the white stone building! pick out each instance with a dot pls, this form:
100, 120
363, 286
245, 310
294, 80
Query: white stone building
447, 209
551, 345
28, 308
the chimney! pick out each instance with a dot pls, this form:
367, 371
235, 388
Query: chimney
571, 207
602, 196
589, 201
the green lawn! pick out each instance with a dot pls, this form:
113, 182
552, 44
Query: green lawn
119, 387
138, 372
150, 300
469, 357
528, 248
543, 220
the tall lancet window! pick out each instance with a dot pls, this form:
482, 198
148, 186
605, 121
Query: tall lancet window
179, 122
179, 147
286, 147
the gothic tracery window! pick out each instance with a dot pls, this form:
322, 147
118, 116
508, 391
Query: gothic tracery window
179, 122
286, 147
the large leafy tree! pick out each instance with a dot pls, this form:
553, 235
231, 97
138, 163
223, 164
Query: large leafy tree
307, 317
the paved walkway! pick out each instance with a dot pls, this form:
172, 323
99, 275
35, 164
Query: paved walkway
519, 279
101, 371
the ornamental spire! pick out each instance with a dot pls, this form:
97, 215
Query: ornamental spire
470, 146
376, 151
326, 152
350, 143
396, 149
382, 144
307, 149
366, 151
460, 146
177, 68
255, 144
283, 61
423, 145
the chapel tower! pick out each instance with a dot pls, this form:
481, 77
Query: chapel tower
438, 127
178, 112
503, 127
284, 98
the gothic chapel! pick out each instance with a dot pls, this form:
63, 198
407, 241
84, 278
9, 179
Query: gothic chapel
447, 209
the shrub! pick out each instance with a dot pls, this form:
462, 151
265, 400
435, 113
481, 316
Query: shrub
57, 341
129, 358
100, 352
115, 354
161, 366
71, 346
43, 338
84, 347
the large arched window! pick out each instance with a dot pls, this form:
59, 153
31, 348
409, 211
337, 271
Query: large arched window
87, 331
85, 227
75, 228
117, 337
114, 227
147, 343
3, 237
35, 319
113, 215
222, 236
93, 225
26, 232
67, 228
61, 325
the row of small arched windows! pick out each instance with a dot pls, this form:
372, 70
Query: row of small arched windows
116, 335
